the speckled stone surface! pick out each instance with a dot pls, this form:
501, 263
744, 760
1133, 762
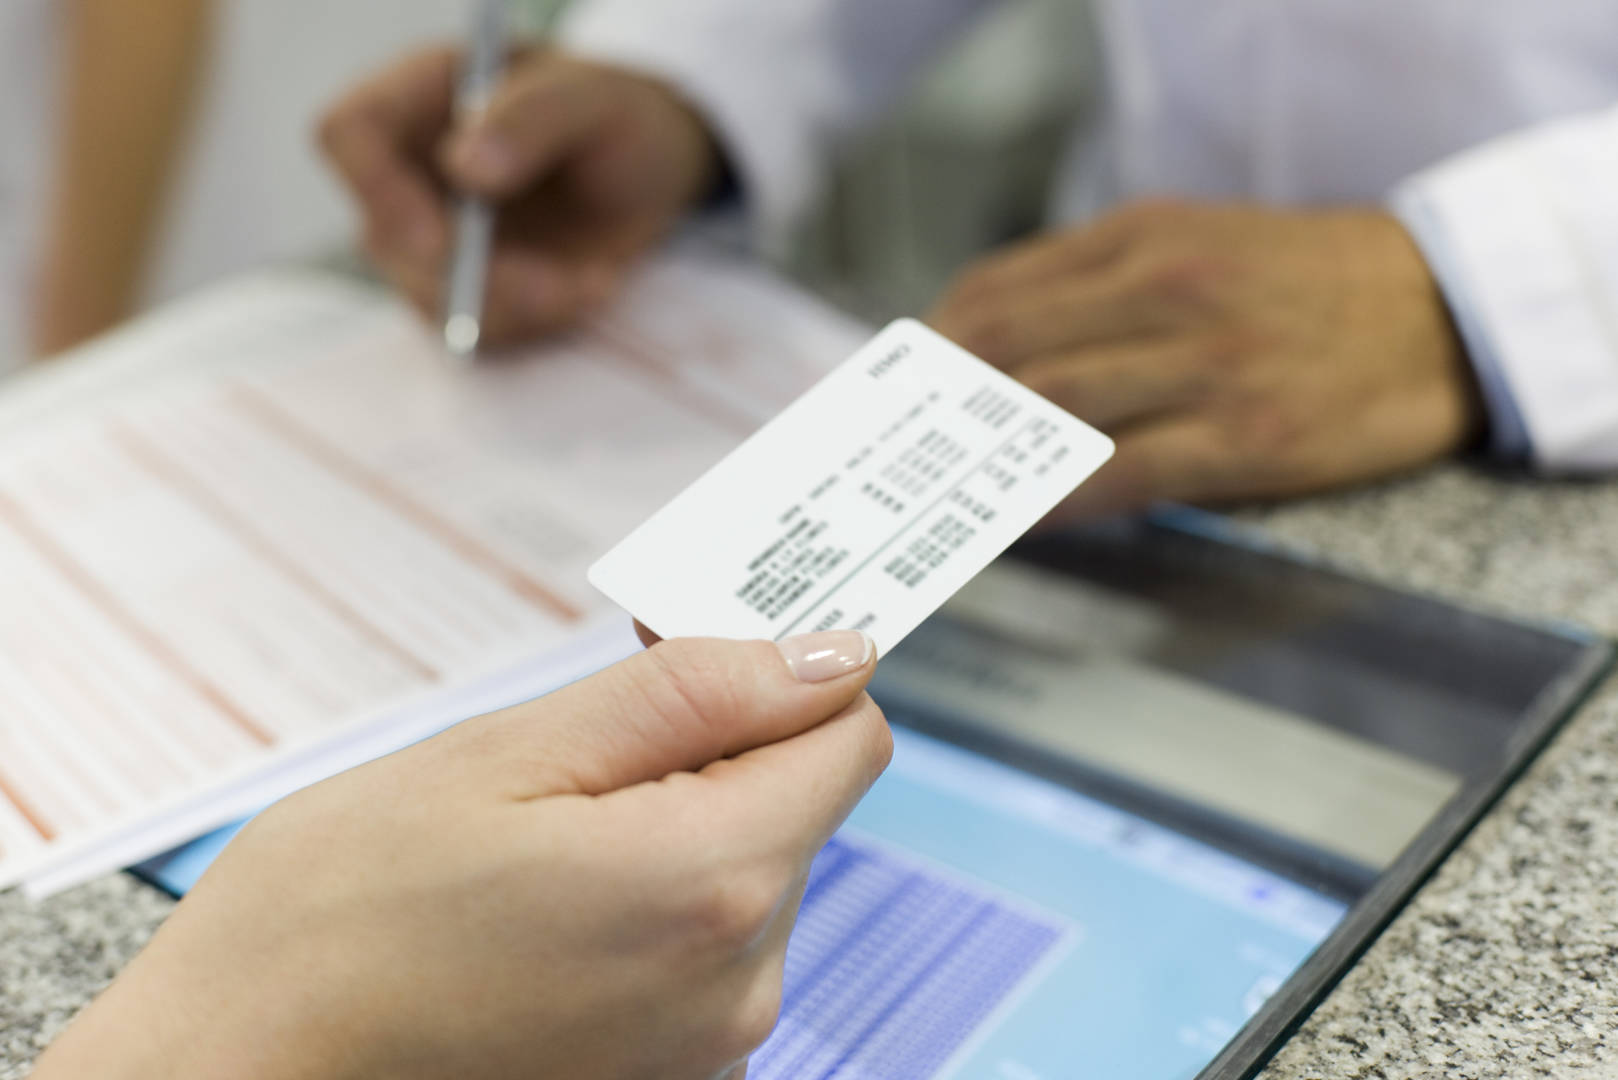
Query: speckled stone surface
1505, 965
56, 955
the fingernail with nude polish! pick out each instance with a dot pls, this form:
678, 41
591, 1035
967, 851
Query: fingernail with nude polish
827, 655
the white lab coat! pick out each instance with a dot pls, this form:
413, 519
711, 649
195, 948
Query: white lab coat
1489, 125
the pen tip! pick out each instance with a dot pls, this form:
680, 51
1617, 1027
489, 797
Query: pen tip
461, 335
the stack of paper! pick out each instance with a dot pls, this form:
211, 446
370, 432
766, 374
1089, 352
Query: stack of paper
274, 532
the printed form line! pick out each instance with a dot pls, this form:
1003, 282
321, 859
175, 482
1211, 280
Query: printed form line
626, 346
12, 513
169, 473
270, 415
26, 810
907, 526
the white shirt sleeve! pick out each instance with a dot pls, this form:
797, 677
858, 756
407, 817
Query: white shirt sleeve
779, 80
1522, 234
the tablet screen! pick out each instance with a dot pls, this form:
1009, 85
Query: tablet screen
1152, 792
975, 921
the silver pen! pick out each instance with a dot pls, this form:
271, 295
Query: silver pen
474, 218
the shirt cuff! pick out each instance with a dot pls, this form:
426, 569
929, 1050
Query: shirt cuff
1508, 433
1521, 230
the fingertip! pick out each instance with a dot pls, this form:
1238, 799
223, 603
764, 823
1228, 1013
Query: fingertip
480, 160
421, 285
414, 234
647, 637
880, 744
407, 250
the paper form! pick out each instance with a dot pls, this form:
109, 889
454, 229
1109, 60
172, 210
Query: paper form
269, 549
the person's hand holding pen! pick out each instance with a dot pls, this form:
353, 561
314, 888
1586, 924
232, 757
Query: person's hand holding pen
598, 883
588, 166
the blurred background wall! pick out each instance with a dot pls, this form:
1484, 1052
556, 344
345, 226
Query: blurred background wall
963, 165
251, 187
27, 111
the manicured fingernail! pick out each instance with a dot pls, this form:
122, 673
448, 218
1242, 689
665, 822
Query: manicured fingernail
825, 656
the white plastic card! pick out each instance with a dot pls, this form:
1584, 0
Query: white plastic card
865, 504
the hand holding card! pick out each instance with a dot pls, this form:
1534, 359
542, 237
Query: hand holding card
864, 505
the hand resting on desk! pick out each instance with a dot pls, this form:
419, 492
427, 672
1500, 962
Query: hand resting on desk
597, 883
1233, 352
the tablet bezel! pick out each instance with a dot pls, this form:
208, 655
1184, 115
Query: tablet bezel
1286, 1010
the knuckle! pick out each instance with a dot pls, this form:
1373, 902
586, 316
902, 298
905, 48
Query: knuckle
1265, 434
1224, 352
736, 907
1186, 279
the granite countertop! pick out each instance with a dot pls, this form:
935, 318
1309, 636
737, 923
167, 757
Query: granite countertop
1506, 964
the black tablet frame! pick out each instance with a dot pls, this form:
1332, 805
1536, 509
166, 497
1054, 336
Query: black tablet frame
1268, 1030
1589, 658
